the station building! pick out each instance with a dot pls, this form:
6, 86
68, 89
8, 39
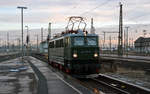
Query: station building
142, 45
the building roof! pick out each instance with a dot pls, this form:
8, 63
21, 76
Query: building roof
141, 39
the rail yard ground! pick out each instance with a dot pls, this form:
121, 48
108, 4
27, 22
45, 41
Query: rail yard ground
35, 77
136, 77
132, 72
134, 69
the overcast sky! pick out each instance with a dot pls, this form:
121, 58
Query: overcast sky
40, 12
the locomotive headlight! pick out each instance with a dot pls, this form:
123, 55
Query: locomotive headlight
75, 55
95, 55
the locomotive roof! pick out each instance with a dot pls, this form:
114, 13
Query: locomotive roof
80, 35
71, 35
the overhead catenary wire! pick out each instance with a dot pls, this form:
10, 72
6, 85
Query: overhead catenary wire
102, 4
134, 18
90, 10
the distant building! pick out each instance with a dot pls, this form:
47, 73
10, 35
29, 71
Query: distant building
43, 47
142, 45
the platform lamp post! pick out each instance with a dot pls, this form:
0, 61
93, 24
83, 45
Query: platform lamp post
27, 40
20, 7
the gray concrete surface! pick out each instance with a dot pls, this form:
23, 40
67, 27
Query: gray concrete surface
17, 78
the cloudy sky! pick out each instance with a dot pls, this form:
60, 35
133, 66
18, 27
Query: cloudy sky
41, 12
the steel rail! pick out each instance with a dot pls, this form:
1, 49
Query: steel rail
120, 91
128, 87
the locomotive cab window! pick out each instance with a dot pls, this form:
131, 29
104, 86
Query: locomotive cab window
78, 41
91, 41
85, 41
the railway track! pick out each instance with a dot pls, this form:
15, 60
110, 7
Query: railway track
121, 86
108, 85
101, 86
146, 60
135, 63
9, 56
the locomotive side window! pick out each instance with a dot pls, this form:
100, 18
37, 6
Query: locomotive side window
51, 44
59, 43
91, 41
78, 41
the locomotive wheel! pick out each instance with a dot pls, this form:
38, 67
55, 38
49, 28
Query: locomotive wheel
49, 62
60, 67
67, 70
53, 64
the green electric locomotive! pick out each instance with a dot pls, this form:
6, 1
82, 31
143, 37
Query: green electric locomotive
76, 52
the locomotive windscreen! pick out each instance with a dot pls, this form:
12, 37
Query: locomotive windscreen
85, 41
91, 41
78, 41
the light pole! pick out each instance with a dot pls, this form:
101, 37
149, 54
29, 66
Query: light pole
7, 42
19, 7
27, 30
37, 42
42, 39
27, 40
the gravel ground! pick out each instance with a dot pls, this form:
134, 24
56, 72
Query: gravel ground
17, 78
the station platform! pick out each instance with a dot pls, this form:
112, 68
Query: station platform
56, 82
17, 78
